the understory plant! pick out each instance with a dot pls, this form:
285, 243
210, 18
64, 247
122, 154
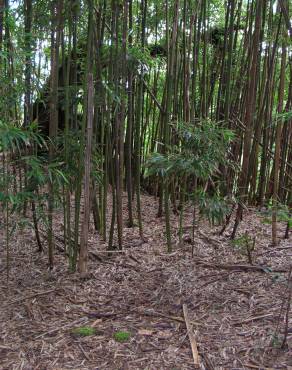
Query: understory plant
23, 174
202, 149
283, 214
246, 245
13, 142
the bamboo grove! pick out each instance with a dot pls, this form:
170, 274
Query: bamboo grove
189, 100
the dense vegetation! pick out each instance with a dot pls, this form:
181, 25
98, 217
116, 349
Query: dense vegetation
189, 100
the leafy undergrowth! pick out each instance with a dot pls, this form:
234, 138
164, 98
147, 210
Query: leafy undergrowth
128, 312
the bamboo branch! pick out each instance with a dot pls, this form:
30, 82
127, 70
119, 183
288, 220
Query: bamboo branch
31, 296
153, 96
191, 338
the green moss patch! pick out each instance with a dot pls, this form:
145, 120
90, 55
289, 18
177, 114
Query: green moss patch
122, 336
84, 331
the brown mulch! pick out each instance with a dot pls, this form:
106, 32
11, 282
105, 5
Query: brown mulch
237, 311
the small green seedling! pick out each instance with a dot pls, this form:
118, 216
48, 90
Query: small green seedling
266, 221
122, 336
246, 246
275, 341
84, 331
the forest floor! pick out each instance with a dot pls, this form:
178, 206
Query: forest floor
238, 313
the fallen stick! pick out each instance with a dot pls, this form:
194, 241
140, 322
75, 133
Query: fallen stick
208, 363
82, 350
215, 279
78, 321
160, 314
108, 251
134, 259
251, 366
205, 237
209, 239
30, 296
246, 268
254, 318
191, 338
274, 250
98, 315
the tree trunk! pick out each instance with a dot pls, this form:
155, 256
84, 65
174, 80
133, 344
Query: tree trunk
83, 254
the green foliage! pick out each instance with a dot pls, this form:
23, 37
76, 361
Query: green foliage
284, 118
84, 331
241, 241
201, 150
283, 212
246, 245
138, 55
14, 141
68, 158
266, 221
122, 336
39, 172
15, 138
215, 208
16, 200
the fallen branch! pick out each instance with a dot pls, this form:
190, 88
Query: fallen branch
209, 239
191, 338
208, 362
274, 250
108, 251
254, 318
160, 314
251, 366
30, 296
82, 350
246, 268
98, 315
221, 277
79, 321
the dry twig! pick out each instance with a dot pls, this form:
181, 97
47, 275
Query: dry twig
30, 296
